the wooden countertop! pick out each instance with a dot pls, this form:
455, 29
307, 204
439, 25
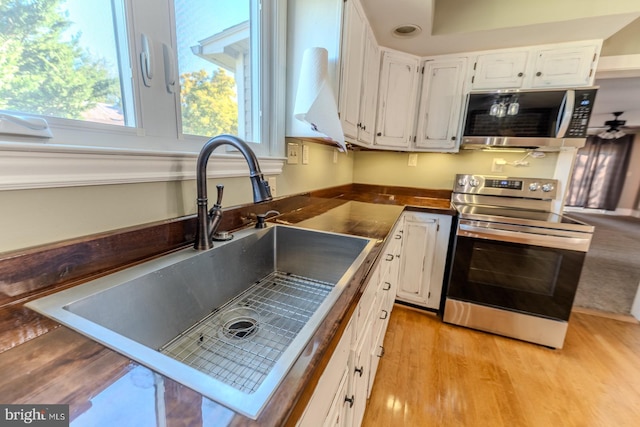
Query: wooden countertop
43, 362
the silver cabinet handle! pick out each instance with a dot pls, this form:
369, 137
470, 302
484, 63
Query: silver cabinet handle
390, 257
385, 315
388, 286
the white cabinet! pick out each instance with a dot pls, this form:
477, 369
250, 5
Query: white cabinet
360, 73
340, 397
369, 95
338, 412
397, 95
571, 66
557, 65
328, 400
440, 104
352, 63
423, 257
499, 70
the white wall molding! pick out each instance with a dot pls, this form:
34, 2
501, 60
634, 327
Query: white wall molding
28, 166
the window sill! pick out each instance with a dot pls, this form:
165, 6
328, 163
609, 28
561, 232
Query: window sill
32, 165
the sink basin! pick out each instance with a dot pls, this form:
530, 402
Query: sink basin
227, 322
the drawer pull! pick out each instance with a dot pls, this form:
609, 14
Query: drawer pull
390, 257
381, 351
388, 286
385, 314
350, 400
359, 370
398, 236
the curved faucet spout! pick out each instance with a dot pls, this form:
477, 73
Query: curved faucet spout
209, 221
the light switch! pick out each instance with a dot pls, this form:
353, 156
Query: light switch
305, 154
293, 153
413, 159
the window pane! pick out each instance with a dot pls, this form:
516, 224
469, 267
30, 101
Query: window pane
60, 58
216, 61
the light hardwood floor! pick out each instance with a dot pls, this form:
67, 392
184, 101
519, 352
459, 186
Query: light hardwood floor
435, 374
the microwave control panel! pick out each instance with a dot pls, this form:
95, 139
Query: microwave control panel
584, 99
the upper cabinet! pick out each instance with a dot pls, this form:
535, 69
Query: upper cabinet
353, 37
396, 100
559, 65
392, 100
369, 95
499, 70
440, 104
359, 78
570, 66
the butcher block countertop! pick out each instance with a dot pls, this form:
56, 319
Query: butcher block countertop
42, 362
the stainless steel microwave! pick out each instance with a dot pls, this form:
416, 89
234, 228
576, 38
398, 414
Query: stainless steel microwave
549, 118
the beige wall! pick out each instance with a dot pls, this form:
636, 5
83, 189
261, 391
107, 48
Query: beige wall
624, 42
33, 217
437, 170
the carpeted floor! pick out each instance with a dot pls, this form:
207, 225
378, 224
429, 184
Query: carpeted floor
611, 271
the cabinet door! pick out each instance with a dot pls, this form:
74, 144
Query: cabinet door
565, 67
330, 387
339, 410
360, 377
369, 98
417, 258
396, 100
352, 61
440, 104
381, 321
424, 254
499, 70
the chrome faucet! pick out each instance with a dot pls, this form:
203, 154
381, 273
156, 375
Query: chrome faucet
208, 222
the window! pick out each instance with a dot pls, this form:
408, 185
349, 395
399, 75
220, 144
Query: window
156, 75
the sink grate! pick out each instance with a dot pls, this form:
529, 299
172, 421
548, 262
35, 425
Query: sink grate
264, 320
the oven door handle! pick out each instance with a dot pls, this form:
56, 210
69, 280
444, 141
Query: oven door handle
580, 244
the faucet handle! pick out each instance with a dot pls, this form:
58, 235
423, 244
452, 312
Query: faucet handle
220, 190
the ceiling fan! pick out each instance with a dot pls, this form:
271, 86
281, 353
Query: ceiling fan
615, 127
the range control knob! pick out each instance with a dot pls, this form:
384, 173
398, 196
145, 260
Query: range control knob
462, 182
474, 182
534, 186
547, 187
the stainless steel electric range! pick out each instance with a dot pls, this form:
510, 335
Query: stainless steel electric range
516, 265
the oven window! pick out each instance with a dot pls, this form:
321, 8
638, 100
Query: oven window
528, 269
524, 278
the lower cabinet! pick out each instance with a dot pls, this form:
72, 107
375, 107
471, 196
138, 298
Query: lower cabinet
423, 257
340, 397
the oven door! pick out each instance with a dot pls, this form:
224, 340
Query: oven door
502, 271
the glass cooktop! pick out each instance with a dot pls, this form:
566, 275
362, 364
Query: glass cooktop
520, 217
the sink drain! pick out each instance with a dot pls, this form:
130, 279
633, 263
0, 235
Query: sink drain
240, 323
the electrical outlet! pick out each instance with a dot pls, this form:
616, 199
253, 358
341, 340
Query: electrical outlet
305, 154
272, 185
413, 159
293, 153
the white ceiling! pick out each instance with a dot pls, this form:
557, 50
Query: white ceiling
453, 26
450, 26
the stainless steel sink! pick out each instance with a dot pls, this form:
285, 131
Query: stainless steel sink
228, 322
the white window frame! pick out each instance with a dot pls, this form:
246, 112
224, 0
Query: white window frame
86, 153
